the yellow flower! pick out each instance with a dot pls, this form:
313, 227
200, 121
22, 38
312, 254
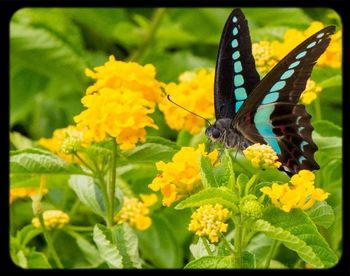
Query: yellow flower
52, 219
17, 193
119, 103
262, 156
59, 139
310, 93
180, 177
116, 74
331, 57
268, 53
119, 113
209, 220
136, 212
265, 58
194, 92
301, 193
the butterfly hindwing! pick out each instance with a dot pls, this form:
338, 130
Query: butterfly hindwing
235, 74
272, 115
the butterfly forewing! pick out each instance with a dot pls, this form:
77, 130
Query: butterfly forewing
272, 115
235, 74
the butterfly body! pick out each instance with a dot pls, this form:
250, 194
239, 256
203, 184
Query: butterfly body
249, 110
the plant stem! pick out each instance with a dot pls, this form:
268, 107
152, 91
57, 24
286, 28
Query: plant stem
155, 22
83, 161
271, 253
77, 228
227, 244
48, 240
111, 185
238, 243
317, 105
206, 245
74, 208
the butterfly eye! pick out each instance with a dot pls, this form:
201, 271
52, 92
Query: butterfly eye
215, 133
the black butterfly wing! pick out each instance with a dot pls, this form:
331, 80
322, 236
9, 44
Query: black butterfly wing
272, 114
235, 74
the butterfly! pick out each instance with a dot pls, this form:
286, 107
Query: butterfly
249, 110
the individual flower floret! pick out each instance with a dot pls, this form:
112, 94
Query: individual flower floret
300, 193
209, 220
180, 177
135, 212
52, 219
194, 92
262, 156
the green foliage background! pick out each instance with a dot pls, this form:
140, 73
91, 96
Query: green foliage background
49, 50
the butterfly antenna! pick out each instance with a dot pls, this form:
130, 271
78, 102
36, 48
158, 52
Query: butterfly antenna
168, 96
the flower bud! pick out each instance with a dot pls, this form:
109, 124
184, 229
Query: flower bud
250, 207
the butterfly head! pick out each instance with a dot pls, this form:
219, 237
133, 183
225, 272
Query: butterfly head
213, 133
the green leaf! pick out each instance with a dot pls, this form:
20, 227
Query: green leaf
211, 262
248, 260
207, 173
159, 245
35, 161
332, 146
88, 193
260, 246
327, 128
198, 249
27, 233
37, 260
162, 141
127, 244
150, 153
137, 171
242, 181
221, 195
331, 82
90, 252
321, 214
31, 44
298, 233
20, 141
107, 248
224, 174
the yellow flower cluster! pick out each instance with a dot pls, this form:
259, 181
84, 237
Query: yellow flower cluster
310, 93
301, 193
181, 176
209, 220
196, 86
59, 139
265, 57
268, 53
332, 56
115, 74
136, 212
17, 193
262, 156
52, 219
119, 102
